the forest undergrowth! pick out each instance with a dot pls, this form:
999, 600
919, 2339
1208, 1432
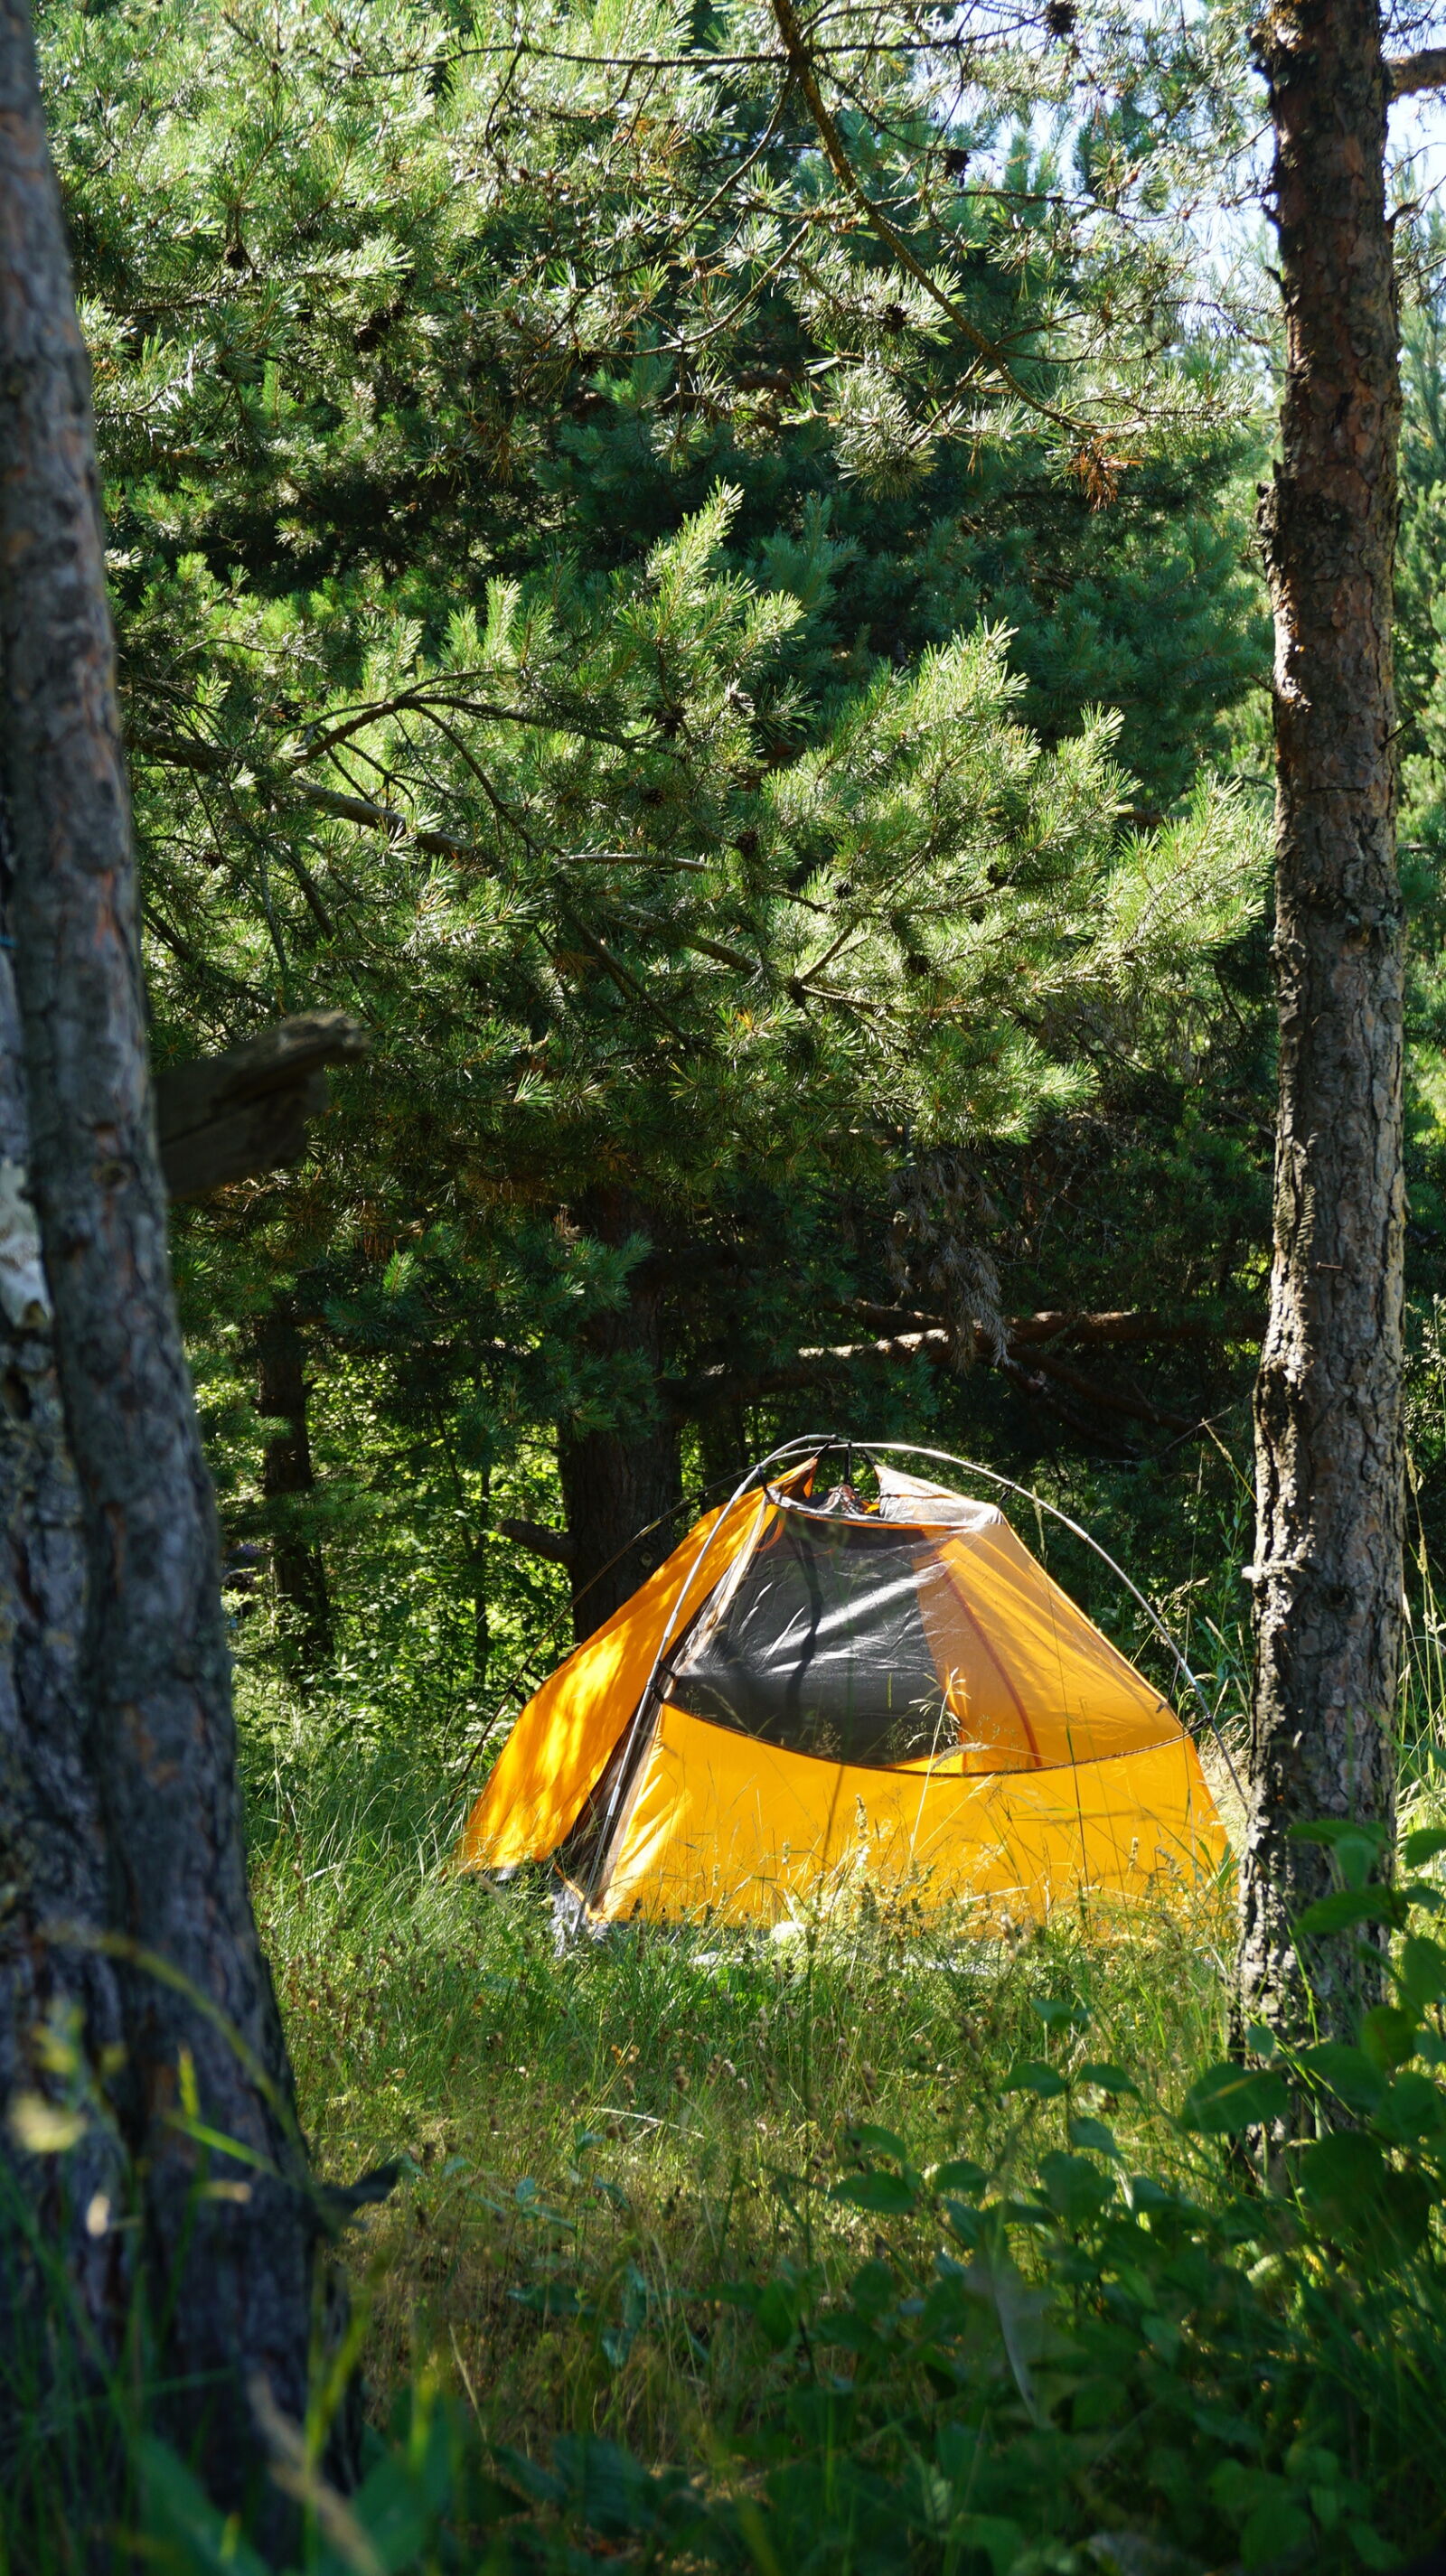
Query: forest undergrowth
853, 2248
592, 2135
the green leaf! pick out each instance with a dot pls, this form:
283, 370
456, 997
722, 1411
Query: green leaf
1357, 1844
527, 2478
1338, 2172
1346, 2072
1110, 2079
957, 2175
1388, 2035
1348, 1905
1371, 2549
867, 2141
1307, 2462
1361, 2199
1076, 2189
1421, 1972
1027, 2075
1163, 2336
399, 2501
995, 2536
873, 2288
778, 2309
610, 2490
1094, 2136
1425, 1844
177, 2510
532, 2205
889, 2194
1265, 2509
1272, 2531
1415, 2107
1225, 2099
551, 2299
1061, 2012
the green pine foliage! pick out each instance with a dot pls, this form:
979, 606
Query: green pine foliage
1421, 685
587, 612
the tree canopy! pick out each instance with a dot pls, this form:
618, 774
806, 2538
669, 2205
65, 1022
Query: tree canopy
743, 724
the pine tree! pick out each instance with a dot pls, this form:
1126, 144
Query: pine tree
372, 435
128, 1924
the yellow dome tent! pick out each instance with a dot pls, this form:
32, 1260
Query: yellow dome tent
813, 1699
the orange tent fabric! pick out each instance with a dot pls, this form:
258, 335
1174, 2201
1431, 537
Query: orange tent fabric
812, 1705
560, 1745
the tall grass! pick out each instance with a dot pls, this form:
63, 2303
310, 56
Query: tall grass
650, 2113
670, 2192
612, 2152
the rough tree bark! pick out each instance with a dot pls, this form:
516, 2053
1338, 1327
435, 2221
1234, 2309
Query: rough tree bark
60, 2011
288, 1485
226, 2245
1328, 1567
226, 1117
615, 1484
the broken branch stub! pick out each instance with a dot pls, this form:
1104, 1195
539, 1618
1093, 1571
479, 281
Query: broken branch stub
230, 1117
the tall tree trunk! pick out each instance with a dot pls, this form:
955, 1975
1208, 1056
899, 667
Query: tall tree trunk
289, 1485
615, 1484
60, 2011
225, 2242
1328, 1564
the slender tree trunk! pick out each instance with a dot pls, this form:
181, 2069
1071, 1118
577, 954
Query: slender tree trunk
477, 1575
1328, 1564
725, 1455
289, 1485
225, 2242
616, 1483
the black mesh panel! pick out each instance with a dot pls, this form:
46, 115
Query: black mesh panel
821, 1648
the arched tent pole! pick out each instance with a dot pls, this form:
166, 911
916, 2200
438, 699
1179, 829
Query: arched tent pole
757, 1474
686, 1502
548, 1635
971, 1467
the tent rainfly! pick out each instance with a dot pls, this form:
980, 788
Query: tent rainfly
813, 1699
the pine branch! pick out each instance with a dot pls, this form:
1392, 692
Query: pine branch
215, 760
1406, 74
1043, 1378
1094, 1330
801, 62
